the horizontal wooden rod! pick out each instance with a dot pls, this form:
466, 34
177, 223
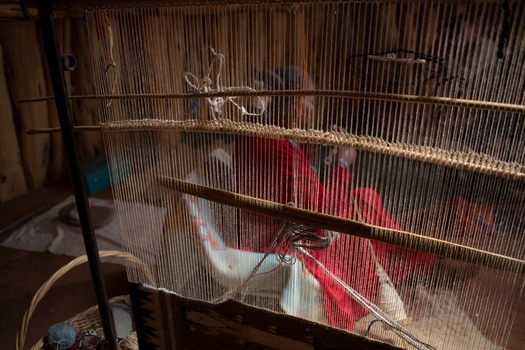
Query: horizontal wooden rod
77, 5
478, 163
337, 224
80, 128
357, 95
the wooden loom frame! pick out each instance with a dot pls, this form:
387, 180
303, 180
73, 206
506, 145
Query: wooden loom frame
62, 99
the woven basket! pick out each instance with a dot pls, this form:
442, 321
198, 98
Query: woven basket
86, 320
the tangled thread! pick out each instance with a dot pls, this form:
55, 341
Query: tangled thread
209, 85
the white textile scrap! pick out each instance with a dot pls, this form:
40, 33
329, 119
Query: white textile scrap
48, 233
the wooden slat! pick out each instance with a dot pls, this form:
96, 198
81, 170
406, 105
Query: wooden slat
12, 180
25, 77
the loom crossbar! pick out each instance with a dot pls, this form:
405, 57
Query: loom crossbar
333, 223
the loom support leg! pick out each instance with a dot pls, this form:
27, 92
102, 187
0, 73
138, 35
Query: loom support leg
56, 69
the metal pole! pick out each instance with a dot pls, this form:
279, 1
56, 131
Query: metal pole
56, 69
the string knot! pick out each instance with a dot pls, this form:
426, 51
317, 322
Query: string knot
207, 86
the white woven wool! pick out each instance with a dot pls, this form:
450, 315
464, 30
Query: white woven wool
388, 298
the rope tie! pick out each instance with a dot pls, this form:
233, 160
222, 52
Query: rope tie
208, 85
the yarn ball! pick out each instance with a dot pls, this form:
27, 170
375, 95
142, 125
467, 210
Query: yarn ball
62, 335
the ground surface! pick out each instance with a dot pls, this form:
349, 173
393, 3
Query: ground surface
22, 273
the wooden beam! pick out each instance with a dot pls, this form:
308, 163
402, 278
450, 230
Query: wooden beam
317, 220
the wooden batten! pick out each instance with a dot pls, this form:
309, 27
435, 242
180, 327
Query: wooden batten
25, 78
322, 221
12, 181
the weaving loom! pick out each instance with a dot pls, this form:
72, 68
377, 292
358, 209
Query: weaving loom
356, 165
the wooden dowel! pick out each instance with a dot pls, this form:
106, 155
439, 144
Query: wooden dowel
357, 95
471, 162
333, 223
478, 163
55, 130
78, 5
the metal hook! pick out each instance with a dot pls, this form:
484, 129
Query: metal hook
69, 61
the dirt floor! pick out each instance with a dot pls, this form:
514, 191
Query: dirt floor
22, 273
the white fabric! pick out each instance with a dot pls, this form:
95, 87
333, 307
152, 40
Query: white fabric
47, 233
301, 295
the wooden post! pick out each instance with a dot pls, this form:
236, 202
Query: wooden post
12, 181
56, 167
25, 78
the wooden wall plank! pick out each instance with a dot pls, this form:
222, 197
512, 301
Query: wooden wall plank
12, 180
10, 9
25, 78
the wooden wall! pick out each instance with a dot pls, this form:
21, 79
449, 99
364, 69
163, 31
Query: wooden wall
27, 161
